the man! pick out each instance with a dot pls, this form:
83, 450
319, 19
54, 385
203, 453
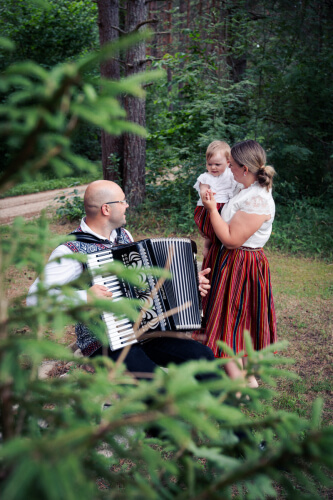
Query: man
105, 207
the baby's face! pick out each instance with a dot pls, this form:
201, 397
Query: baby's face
217, 164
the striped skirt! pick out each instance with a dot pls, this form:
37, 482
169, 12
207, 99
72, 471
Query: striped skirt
202, 220
240, 299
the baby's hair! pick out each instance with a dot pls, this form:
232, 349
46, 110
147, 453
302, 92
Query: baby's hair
253, 156
216, 146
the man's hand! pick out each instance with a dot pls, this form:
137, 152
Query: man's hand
204, 285
98, 291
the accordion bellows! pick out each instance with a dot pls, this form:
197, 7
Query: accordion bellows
180, 289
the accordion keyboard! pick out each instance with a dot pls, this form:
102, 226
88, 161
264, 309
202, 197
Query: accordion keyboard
119, 329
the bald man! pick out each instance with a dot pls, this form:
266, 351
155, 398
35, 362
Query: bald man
102, 228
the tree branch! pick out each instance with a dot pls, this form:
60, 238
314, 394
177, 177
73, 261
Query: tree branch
120, 30
256, 17
148, 21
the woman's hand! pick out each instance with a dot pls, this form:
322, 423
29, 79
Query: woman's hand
209, 201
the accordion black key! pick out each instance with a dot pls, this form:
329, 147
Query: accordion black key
182, 288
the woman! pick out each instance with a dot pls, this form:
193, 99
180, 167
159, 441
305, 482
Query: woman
240, 297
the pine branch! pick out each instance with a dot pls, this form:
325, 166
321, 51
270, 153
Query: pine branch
30, 142
276, 459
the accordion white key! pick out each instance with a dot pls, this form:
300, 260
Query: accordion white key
182, 288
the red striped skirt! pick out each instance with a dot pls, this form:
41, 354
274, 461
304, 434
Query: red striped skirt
202, 220
240, 299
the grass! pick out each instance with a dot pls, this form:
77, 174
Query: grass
48, 184
303, 296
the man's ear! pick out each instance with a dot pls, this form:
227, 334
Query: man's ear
105, 209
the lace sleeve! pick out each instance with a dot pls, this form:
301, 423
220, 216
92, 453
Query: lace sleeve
256, 205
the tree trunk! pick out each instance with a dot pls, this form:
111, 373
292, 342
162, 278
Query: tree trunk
112, 146
135, 146
152, 50
237, 63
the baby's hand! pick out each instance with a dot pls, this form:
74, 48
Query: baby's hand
209, 194
207, 245
205, 252
209, 200
203, 190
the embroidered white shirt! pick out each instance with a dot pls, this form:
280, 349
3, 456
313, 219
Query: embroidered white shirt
66, 270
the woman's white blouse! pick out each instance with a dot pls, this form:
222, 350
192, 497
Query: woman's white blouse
252, 200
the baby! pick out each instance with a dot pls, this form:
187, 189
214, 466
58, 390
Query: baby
218, 178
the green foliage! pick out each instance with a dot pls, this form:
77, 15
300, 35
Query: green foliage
291, 68
303, 228
43, 108
57, 440
71, 208
303, 225
261, 73
198, 106
48, 32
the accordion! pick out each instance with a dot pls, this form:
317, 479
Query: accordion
183, 287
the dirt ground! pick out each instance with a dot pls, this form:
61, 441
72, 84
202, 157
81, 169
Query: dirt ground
31, 205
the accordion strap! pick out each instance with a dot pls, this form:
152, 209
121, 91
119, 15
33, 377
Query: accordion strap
88, 238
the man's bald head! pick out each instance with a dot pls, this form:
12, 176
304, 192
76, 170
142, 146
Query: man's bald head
98, 193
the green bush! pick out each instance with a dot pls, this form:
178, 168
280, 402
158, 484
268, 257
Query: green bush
71, 208
48, 32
